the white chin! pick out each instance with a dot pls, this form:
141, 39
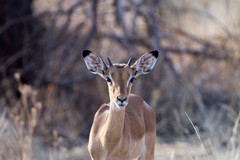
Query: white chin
120, 104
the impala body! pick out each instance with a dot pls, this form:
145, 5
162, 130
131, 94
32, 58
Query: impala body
125, 128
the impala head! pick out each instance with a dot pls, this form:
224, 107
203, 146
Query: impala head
119, 77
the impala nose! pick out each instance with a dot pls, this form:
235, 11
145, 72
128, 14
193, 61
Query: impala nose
122, 101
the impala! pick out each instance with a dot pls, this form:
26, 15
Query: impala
125, 128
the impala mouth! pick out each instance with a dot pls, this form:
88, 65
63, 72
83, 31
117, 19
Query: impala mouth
122, 103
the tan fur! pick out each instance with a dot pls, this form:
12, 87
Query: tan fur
130, 133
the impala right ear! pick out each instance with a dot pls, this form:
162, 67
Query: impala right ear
94, 62
145, 63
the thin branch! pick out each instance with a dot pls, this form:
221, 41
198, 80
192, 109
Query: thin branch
93, 29
208, 52
19, 20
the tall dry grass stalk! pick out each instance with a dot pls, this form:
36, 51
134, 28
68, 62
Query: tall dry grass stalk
198, 136
25, 117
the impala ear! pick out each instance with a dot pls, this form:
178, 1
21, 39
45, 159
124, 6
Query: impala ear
94, 62
145, 63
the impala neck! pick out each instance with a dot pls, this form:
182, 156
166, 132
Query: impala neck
113, 129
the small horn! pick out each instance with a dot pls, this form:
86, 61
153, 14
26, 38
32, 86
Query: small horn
110, 62
129, 62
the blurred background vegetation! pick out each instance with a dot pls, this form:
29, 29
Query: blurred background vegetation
48, 98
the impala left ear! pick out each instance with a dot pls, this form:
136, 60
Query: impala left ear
94, 62
145, 63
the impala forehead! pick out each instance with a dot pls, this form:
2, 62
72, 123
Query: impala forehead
120, 72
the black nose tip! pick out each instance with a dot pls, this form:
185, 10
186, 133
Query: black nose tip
121, 99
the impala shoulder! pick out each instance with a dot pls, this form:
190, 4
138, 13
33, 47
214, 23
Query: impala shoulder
133, 98
99, 118
103, 109
100, 115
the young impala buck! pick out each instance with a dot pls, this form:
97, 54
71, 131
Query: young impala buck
125, 128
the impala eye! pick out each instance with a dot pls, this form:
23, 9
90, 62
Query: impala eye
132, 79
108, 80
